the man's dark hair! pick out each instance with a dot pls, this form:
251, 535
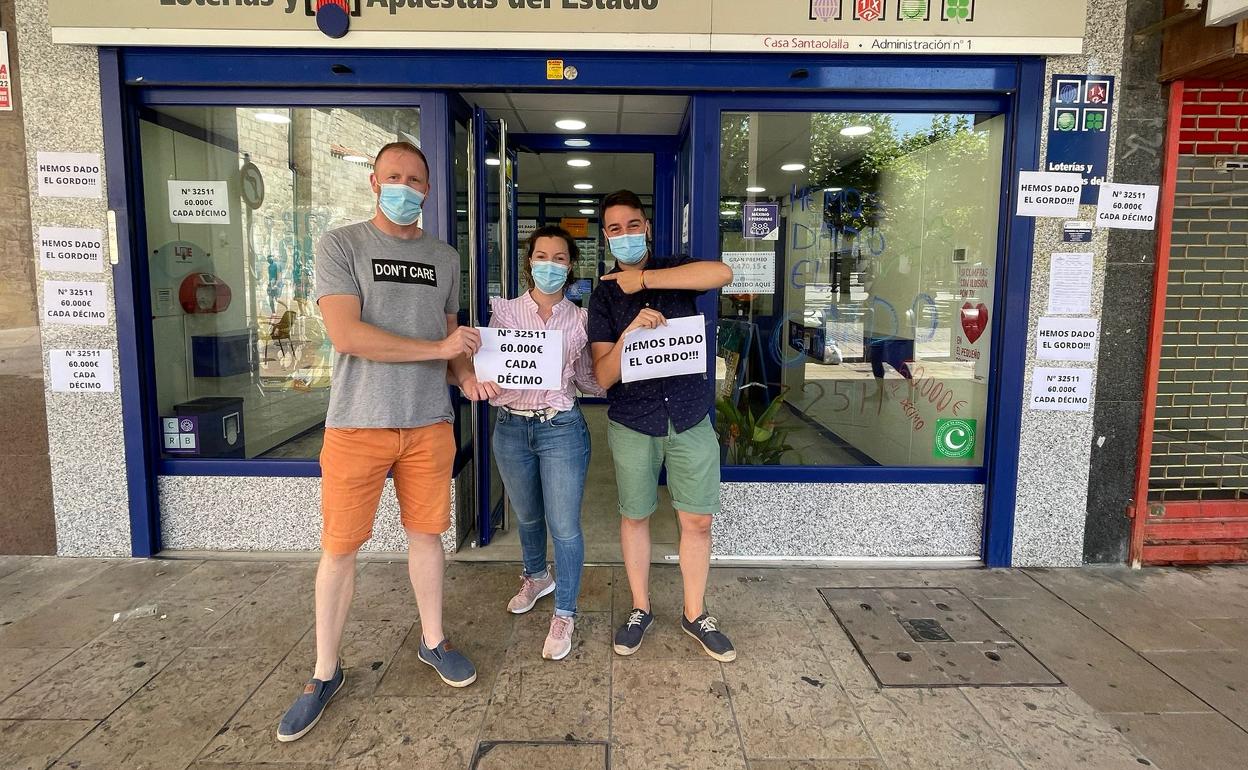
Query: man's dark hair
403, 147
622, 198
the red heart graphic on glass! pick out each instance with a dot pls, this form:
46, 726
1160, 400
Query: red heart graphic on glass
974, 320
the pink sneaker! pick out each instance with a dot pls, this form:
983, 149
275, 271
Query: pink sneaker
559, 640
530, 591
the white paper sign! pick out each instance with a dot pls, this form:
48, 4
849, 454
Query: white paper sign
6, 75
69, 174
1061, 390
199, 203
677, 348
1070, 284
753, 272
1067, 339
71, 249
81, 371
1127, 206
1048, 194
684, 225
521, 359
73, 302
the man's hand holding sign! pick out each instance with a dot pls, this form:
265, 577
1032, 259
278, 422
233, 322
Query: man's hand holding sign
673, 347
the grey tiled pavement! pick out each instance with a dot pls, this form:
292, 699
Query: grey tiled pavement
1153, 665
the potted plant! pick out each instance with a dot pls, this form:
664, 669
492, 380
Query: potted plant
748, 439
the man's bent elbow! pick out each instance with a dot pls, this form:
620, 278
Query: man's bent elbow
344, 344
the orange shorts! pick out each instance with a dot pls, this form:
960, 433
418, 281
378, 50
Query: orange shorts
354, 465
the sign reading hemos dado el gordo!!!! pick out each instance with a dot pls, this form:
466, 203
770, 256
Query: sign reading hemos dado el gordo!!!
773, 26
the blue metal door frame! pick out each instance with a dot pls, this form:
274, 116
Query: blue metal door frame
136, 372
487, 512
244, 77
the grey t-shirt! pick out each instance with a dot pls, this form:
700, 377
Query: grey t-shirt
406, 287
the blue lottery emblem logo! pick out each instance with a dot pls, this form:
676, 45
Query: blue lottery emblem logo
333, 17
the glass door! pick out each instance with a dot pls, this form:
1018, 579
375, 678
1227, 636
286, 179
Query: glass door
491, 214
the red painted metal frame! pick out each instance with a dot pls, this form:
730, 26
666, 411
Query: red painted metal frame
1138, 510
1207, 509
1184, 531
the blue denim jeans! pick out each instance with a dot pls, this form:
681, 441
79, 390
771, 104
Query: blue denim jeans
543, 466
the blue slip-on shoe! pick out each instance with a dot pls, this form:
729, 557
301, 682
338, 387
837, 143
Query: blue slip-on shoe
628, 637
451, 665
301, 717
706, 630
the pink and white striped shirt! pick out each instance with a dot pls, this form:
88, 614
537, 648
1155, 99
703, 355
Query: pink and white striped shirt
578, 367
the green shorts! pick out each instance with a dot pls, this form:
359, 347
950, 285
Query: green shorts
692, 459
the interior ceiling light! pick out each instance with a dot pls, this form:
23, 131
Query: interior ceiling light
493, 162
856, 130
832, 189
793, 167
570, 124
583, 186
272, 117
728, 213
586, 200
578, 162
587, 211
756, 189
576, 143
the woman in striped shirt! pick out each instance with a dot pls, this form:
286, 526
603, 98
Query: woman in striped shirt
541, 442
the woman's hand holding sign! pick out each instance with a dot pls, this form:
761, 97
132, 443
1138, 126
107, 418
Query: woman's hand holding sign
475, 390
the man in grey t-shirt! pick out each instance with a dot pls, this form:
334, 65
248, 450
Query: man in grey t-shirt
389, 294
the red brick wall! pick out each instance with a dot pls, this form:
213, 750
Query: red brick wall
1215, 118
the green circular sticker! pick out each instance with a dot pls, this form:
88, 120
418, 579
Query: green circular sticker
955, 438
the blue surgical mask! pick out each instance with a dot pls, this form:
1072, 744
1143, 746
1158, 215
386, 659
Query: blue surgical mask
400, 203
629, 249
549, 277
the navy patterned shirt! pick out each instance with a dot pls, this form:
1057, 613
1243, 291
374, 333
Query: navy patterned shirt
646, 406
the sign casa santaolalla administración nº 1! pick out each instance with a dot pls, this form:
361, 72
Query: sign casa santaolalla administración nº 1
959, 27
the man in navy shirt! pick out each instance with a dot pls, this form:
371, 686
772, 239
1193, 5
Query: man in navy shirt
652, 422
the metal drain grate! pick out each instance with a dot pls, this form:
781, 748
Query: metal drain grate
931, 637
565, 755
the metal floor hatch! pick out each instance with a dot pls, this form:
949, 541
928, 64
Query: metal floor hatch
931, 637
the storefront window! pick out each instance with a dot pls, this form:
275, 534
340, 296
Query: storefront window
858, 328
236, 200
